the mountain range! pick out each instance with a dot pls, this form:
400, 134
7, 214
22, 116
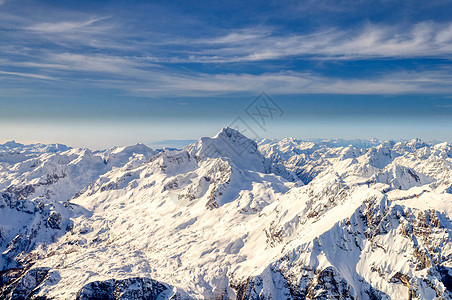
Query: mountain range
227, 218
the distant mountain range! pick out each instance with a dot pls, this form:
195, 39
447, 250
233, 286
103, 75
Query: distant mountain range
227, 218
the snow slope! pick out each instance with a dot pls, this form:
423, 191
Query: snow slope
228, 218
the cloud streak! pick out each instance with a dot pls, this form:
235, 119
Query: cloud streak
64, 27
28, 75
426, 39
164, 85
307, 83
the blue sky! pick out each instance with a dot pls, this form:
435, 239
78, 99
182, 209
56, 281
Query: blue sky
100, 73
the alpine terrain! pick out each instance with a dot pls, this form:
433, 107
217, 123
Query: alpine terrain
227, 218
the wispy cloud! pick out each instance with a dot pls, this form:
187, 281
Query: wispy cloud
426, 39
64, 27
198, 85
238, 37
95, 63
28, 75
88, 30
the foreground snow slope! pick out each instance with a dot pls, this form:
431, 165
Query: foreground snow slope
228, 218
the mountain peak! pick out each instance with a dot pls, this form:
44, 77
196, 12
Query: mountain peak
232, 145
416, 143
229, 133
235, 141
12, 144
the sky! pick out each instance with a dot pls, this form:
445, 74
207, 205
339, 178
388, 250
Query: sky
102, 73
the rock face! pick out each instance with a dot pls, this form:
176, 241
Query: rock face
227, 218
19, 285
126, 289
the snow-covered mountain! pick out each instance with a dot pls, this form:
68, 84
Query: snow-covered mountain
227, 218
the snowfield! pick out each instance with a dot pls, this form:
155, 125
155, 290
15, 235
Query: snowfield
227, 218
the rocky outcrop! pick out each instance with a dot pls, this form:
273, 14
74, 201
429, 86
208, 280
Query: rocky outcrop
125, 289
18, 284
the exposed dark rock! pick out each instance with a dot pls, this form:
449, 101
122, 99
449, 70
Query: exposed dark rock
131, 288
54, 220
446, 277
22, 284
328, 285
